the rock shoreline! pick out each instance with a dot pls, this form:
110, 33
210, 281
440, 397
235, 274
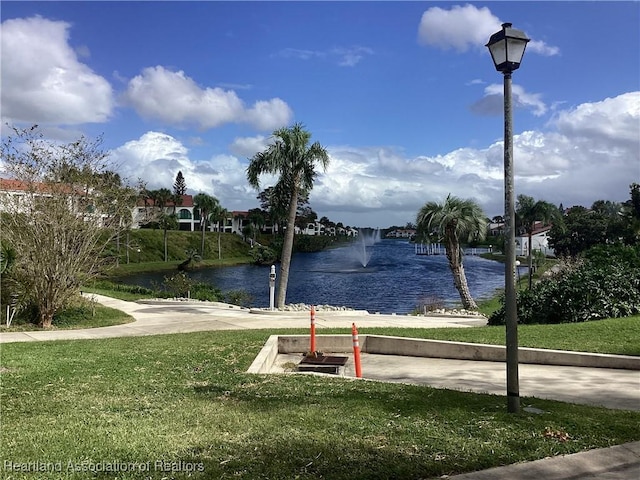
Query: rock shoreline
303, 307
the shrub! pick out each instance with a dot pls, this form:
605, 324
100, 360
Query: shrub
312, 243
238, 297
179, 284
262, 255
605, 283
206, 292
121, 287
429, 304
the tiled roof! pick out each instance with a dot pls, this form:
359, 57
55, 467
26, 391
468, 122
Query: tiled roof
187, 201
10, 185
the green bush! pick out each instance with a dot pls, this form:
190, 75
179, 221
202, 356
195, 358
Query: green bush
239, 297
262, 255
604, 283
312, 243
121, 287
178, 285
206, 292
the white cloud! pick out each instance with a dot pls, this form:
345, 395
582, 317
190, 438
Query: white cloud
176, 99
156, 158
460, 28
611, 119
351, 56
493, 103
521, 98
589, 152
269, 114
466, 27
248, 146
42, 79
299, 53
343, 56
542, 48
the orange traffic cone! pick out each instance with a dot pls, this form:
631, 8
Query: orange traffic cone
356, 350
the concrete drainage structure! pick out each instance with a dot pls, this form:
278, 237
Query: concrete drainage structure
412, 347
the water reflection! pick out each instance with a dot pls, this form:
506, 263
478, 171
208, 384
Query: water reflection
394, 280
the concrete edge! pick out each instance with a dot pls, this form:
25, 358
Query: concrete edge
609, 462
413, 347
226, 306
267, 356
495, 353
306, 313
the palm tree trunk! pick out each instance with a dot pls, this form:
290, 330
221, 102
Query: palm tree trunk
219, 247
459, 278
127, 247
530, 259
118, 249
287, 250
460, 281
165, 245
202, 225
46, 313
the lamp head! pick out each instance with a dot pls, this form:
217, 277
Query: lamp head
507, 48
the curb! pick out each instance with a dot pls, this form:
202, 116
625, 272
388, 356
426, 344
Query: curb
404, 346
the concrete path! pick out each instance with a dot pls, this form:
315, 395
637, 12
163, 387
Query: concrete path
605, 387
162, 317
620, 462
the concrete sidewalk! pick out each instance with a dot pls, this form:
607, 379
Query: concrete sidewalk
619, 462
163, 317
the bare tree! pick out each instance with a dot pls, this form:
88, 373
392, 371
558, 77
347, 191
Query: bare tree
61, 207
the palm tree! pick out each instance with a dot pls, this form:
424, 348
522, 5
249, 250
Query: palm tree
294, 160
220, 214
257, 221
528, 214
452, 221
167, 221
207, 205
7, 257
161, 199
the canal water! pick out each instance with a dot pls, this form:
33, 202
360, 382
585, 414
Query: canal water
395, 280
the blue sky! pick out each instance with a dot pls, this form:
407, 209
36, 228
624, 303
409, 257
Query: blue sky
403, 95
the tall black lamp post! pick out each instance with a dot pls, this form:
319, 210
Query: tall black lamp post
507, 48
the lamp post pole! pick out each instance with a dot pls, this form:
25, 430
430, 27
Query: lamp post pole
511, 312
507, 48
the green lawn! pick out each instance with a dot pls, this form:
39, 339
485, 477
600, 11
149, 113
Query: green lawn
185, 398
85, 316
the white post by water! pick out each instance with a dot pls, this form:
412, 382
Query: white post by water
272, 286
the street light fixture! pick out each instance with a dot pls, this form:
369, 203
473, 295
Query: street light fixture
507, 48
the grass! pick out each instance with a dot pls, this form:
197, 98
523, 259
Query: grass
185, 398
151, 255
172, 266
86, 316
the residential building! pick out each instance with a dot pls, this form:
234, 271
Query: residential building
401, 233
539, 242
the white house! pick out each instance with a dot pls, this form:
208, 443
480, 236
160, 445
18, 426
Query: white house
539, 242
315, 228
401, 233
188, 215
